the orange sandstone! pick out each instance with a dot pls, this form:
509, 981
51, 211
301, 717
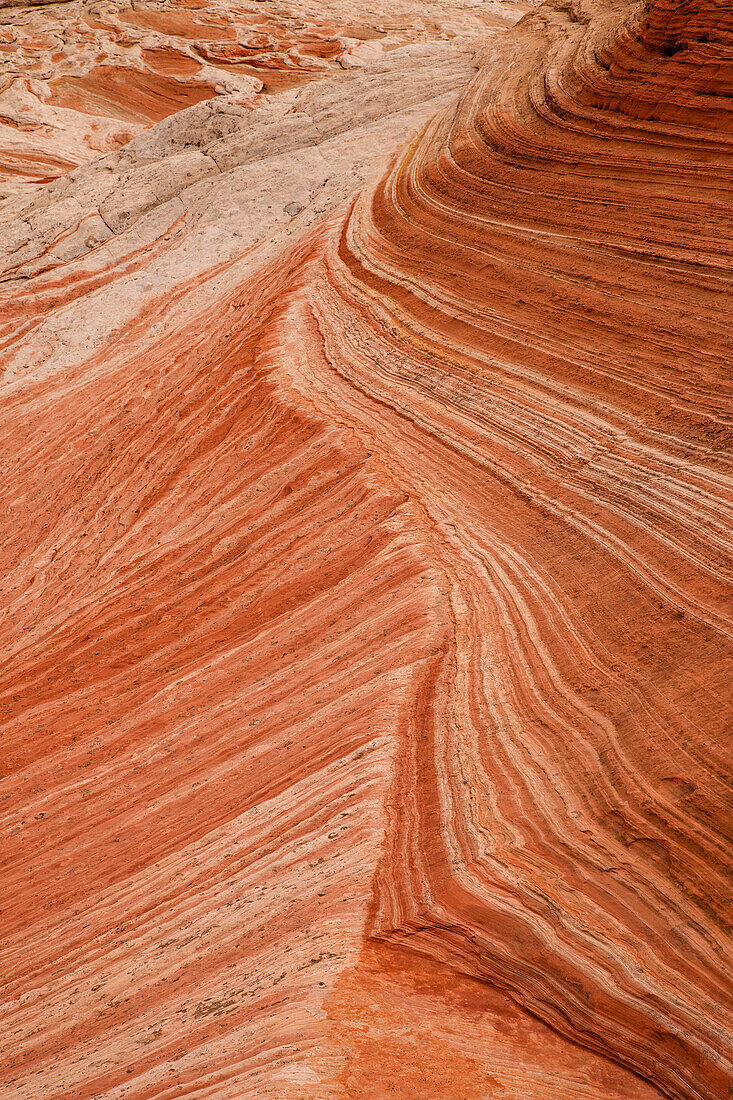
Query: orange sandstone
366, 694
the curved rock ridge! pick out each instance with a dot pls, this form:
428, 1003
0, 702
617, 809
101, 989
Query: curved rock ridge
537, 303
219, 612
366, 601
222, 617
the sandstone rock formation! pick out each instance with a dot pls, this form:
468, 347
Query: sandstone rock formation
366, 582
80, 78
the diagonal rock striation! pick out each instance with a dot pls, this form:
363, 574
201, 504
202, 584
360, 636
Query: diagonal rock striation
366, 604
536, 299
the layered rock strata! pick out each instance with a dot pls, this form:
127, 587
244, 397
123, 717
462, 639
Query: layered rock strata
367, 591
558, 358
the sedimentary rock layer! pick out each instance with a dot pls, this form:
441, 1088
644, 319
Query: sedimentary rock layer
200, 736
537, 301
366, 591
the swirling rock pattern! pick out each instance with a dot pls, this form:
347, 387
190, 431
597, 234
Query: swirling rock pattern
558, 361
368, 624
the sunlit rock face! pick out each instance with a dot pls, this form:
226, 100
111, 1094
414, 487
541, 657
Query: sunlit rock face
366, 529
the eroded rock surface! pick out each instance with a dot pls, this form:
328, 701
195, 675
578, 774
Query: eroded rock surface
366, 554
80, 79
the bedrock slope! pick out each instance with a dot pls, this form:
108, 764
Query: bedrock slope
200, 736
366, 704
